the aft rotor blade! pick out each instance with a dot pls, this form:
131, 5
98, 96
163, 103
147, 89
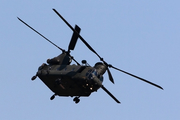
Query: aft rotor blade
82, 39
110, 94
137, 77
110, 75
74, 38
41, 35
75, 60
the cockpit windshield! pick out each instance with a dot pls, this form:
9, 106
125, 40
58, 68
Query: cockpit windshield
92, 73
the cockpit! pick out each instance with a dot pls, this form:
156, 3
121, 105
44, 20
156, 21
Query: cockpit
93, 73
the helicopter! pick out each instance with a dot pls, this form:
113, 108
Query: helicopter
75, 80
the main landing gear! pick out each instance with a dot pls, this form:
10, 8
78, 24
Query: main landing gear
34, 77
52, 97
76, 99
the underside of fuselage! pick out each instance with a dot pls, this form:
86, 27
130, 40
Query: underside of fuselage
65, 86
67, 80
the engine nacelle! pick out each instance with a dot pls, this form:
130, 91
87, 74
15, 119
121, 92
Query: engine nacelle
62, 59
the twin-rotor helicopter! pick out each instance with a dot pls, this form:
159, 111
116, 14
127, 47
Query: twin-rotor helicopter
80, 80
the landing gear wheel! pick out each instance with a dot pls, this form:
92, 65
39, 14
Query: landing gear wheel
34, 77
76, 100
52, 97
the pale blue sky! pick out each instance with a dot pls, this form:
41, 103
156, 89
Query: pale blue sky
141, 37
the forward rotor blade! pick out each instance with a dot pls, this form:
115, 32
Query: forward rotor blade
41, 35
74, 38
137, 77
82, 39
110, 75
110, 94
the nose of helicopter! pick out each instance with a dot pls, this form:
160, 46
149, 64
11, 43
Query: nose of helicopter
100, 67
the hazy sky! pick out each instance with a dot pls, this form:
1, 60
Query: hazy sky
141, 37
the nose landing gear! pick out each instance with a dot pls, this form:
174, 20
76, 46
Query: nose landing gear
76, 100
